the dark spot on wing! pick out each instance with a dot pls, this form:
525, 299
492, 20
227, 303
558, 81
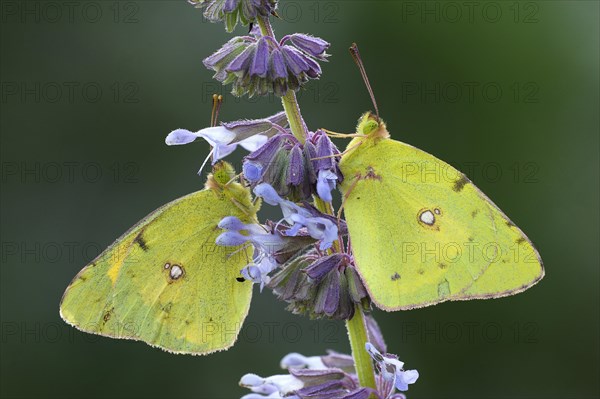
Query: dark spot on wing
421, 271
357, 198
520, 240
471, 239
395, 277
371, 174
82, 278
442, 266
460, 183
210, 319
141, 242
509, 223
108, 315
167, 308
240, 279
474, 213
187, 322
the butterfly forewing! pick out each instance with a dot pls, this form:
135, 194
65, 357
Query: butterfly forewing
422, 233
165, 282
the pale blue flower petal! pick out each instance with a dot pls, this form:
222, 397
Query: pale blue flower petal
268, 194
404, 378
326, 182
252, 171
253, 143
231, 223
180, 137
231, 239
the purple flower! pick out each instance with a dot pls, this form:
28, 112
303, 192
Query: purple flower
224, 139
294, 170
332, 376
295, 175
267, 245
313, 46
326, 182
326, 165
282, 384
259, 65
320, 285
318, 227
392, 369
234, 11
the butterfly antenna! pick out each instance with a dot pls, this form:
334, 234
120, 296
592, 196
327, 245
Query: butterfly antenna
217, 100
358, 61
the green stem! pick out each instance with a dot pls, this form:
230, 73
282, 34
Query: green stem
357, 332
289, 101
357, 329
292, 111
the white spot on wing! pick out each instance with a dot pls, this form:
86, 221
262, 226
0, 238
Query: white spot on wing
176, 272
427, 217
167, 265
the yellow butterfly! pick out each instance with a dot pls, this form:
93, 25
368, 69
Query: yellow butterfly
165, 281
421, 232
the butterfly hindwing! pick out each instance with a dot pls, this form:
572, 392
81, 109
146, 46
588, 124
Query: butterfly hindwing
165, 282
422, 233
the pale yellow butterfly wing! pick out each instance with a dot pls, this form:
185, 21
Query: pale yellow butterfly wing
422, 233
165, 282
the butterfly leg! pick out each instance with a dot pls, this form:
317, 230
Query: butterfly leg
337, 155
342, 135
357, 178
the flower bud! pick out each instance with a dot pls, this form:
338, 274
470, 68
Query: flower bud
259, 65
320, 286
233, 11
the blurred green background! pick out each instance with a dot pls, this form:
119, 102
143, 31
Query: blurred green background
507, 91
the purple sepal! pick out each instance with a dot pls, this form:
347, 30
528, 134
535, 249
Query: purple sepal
278, 68
295, 60
317, 270
260, 63
324, 151
310, 153
327, 390
313, 46
241, 63
295, 174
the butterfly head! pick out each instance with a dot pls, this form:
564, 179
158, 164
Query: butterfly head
372, 126
223, 181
